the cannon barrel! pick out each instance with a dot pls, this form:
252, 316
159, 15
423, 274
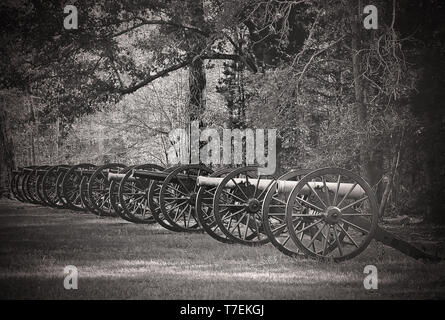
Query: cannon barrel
355, 191
118, 177
85, 172
152, 175
160, 175
90, 172
148, 175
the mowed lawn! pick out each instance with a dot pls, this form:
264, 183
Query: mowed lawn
120, 260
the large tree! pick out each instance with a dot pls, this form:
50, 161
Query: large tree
121, 46
118, 48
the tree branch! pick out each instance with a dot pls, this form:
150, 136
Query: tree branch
220, 56
145, 22
184, 63
149, 79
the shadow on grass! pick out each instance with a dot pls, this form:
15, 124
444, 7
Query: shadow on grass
117, 259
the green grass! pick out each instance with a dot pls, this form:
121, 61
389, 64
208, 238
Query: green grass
117, 260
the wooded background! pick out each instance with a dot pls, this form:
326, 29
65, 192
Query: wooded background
338, 94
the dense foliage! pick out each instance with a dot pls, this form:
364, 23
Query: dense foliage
339, 94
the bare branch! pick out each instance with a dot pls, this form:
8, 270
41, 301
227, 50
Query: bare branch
220, 56
149, 79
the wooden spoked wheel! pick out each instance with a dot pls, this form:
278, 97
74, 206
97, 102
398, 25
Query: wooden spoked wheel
49, 186
98, 189
332, 214
133, 194
274, 215
84, 194
71, 186
30, 185
153, 201
39, 184
13, 185
61, 172
22, 184
114, 195
204, 209
19, 185
177, 197
237, 206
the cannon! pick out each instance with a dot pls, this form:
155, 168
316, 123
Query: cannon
114, 194
70, 186
21, 183
97, 196
327, 214
31, 190
128, 193
48, 185
26, 184
163, 196
85, 175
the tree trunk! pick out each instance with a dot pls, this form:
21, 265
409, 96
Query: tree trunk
32, 131
197, 84
391, 177
197, 76
371, 159
57, 139
6, 154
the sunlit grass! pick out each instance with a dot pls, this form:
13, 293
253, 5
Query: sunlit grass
116, 259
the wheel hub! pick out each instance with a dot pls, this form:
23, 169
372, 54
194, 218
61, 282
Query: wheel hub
191, 198
253, 206
332, 215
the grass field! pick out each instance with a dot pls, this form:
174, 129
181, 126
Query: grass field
116, 259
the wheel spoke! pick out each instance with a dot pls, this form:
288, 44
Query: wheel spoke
355, 226
316, 235
336, 190
256, 186
238, 222
310, 226
309, 204
340, 249
180, 214
354, 203
347, 194
316, 194
265, 189
236, 184
247, 224
257, 229
326, 191
234, 195
347, 234
234, 214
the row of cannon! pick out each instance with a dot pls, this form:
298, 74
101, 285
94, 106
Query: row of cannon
328, 214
